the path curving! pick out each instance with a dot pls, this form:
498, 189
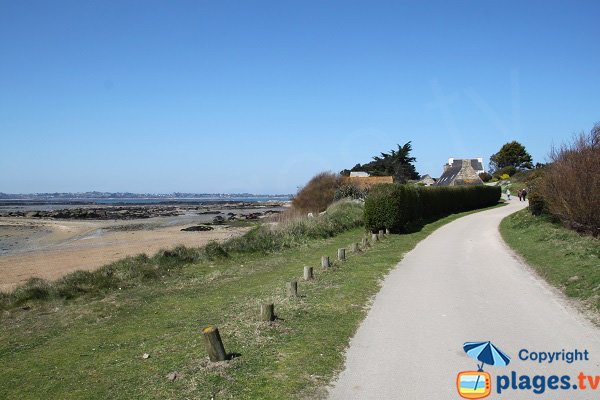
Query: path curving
461, 284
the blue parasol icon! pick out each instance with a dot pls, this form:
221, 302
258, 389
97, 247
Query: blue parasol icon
487, 353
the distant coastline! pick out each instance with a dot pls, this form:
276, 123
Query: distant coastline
142, 201
122, 199
128, 196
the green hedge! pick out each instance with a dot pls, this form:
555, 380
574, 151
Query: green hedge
397, 207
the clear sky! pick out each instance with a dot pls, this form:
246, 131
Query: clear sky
258, 96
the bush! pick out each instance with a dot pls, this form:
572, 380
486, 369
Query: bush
508, 170
318, 193
391, 206
350, 192
214, 250
178, 255
533, 181
570, 185
536, 204
33, 288
340, 216
398, 207
485, 176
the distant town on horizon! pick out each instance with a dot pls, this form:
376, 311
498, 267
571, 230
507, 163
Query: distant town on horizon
128, 195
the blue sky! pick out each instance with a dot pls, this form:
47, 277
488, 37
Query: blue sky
258, 96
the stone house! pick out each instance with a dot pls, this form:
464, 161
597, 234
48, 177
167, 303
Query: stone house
461, 172
426, 181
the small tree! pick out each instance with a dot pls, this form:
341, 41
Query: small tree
511, 154
397, 163
485, 176
318, 193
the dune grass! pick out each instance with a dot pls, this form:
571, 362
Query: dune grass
564, 258
92, 346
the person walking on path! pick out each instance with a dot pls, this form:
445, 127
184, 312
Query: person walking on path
524, 194
520, 194
508, 194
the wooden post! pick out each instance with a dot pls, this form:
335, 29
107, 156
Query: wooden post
214, 344
308, 273
292, 289
342, 254
325, 262
267, 312
374, 238
387, 231
354, 248
365, 243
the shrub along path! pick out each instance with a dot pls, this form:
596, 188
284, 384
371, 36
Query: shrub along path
462, 284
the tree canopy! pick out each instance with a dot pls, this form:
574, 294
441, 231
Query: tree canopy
397, 163
511, 154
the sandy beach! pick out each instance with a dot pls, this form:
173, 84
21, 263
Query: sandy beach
50, 248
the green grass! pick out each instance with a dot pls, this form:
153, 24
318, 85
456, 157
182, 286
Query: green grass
91, 346
564, 258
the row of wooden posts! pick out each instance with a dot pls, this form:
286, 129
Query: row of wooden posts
212, 338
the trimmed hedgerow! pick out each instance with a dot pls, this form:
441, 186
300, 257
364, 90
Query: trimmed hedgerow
398, 207
390, 206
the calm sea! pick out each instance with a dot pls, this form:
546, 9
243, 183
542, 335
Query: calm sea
54, 204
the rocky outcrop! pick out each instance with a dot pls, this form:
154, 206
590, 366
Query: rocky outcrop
101, 213
198, 228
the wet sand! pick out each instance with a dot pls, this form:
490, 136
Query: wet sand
51, 248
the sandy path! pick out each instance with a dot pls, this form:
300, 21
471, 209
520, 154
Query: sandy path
53, 248
464, 284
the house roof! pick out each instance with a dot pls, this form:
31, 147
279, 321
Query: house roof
427, 179
461, 173
359, 174
475, 163
366, 182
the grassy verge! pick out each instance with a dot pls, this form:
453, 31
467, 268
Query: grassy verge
564, 258
91, 347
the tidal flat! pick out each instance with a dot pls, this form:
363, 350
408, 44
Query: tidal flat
35, 244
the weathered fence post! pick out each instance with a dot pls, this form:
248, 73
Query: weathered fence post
292, 289
342, 254
325, 262
308, 273
267, 312
214, 344
365, 243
